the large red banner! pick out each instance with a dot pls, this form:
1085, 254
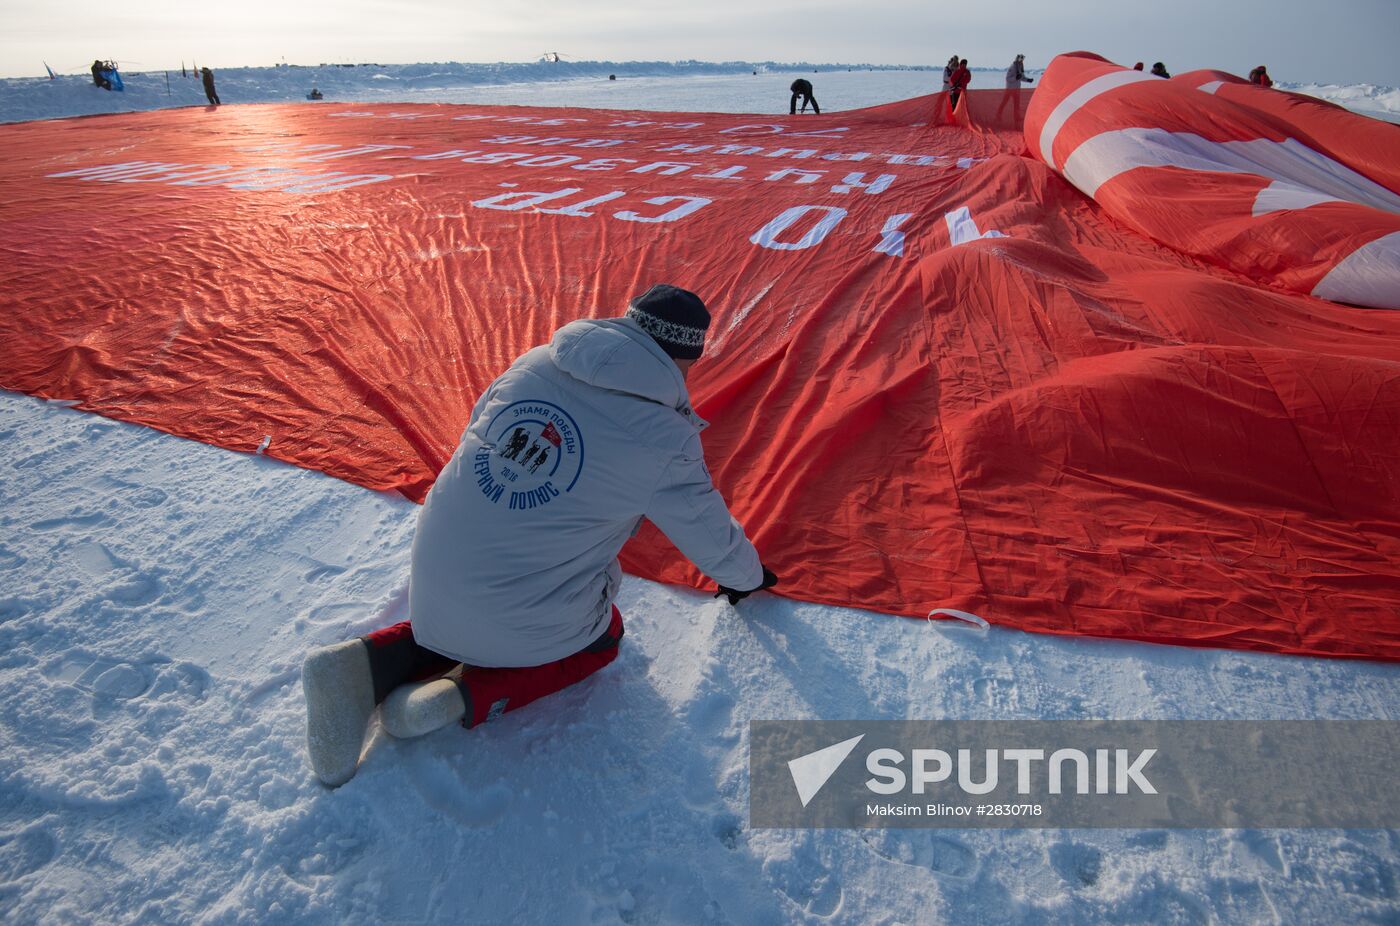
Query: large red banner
939, 376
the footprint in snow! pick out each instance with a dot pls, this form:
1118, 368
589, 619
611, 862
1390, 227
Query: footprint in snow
729, 830
94, 558
136, 589
1158, 903
120, 681
1153, 840
135, 494
443, 789
341, 614
147, 497
1358, 870
124, 681
24, 853
711, 709
820, 896
921, 849
321, 571
1079, 865
272, 684
127, 584
1264, 846
77, 520
12, 608
998, 692
712, 713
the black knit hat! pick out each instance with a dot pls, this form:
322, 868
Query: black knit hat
675, 318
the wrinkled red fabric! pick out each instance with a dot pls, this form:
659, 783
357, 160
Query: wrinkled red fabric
1292, 193
939, 376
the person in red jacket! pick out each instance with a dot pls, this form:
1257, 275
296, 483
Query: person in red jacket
1260, 77
961, 78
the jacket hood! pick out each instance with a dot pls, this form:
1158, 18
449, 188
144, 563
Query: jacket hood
614, 353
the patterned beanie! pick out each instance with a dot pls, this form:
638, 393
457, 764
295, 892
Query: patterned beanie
675, 318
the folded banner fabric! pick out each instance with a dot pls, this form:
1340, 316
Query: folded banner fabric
1291, 192
940, 377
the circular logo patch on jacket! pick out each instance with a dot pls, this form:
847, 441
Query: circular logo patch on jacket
534, 455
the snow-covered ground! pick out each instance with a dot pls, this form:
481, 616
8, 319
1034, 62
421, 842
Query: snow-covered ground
158, 596
656, 85
1367, 99
687, 86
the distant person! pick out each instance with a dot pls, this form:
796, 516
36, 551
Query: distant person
208, 77
1260, 77
802, 87
98, 78
1015, 76
1160, 70
948, 70
315, 94
961, 78
1138, 66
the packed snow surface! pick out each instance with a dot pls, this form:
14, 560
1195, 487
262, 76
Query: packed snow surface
159, 594
664, 86
650, 85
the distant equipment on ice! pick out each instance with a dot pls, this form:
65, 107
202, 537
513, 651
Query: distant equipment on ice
105, 75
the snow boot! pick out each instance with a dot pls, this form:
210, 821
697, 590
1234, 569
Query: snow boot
339, 701
412, 710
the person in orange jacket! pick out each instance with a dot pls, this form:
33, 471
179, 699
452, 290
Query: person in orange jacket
1260, 77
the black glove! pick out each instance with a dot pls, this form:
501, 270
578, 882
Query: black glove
769, 580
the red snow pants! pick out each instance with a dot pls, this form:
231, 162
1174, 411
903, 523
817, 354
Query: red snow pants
396, 658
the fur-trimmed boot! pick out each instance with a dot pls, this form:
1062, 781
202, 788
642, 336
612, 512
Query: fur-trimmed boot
412, 710
339, 701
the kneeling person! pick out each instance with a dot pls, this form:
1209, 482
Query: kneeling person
515, 566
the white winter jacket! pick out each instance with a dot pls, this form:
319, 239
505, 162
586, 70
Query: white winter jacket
515, 558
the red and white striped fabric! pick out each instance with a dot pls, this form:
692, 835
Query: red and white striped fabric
1293, 193
940, 379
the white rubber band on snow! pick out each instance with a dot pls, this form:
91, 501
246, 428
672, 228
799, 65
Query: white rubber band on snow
966, 616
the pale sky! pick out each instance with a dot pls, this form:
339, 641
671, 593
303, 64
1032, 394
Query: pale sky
1340, 41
